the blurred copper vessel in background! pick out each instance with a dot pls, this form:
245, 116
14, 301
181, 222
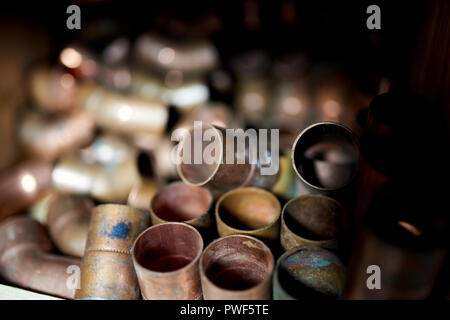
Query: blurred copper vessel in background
26, 261
107, 270
236, 267
166, 258
142, 193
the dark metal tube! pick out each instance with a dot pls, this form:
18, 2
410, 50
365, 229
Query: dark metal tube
166, 258
236, 267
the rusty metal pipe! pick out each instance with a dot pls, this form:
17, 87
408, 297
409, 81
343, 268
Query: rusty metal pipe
166, 258
307, 273
311, 220
107, 269
250, 211
22, 185
68, 223
25, 258
236, 267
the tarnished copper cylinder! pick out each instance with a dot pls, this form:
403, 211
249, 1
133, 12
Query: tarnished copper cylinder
142, 193
285, 186
325, 157
308, 273
250, 211
97, 170
107, 270
166, 258
22, 185
52, 89
68, 223
122, 113
311, 220
220, 175
180, 202
236, 267
25, 258
49, 137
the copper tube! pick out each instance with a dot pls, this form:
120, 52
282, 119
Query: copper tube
311, 220
236, 267
68, 223
217, 114
107, 269
180, 202
166, 258
97, 170
22, 185
325, 157
52, 89
250, 211
285, 185
25, 258
307, 273
157, 51
122, 113
142, 193
50, 137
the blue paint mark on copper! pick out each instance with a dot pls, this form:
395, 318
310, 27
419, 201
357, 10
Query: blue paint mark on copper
118, 231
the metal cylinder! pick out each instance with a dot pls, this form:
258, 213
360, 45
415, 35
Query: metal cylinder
311, 220
68, 223
142, 193
166, 258
236, 267
26, 261
22, 185
179, 202
250, 211
107, 270
307, 273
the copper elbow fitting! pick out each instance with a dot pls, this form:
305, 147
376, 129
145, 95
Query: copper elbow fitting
25, 258
236, 267
166, 258
23, 185
142, 193
307, 273
107, 269
311, 220
250, 211
68, 223
180, 202
122, 113
52, 89
50, 137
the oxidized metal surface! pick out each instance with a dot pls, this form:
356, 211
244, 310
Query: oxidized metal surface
236, 267
23, 185
142, 193
308, 273
68, 222
250, 211
180, 202
25, 258
166, 258
311, 220
107, 268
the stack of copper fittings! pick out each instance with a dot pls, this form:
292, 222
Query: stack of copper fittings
98, 208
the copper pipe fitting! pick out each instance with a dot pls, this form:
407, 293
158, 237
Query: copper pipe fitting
107, 269
68, 223
142, 193
49, 137
250, 211
236, 267
180, 202
26, 261
52, 89
23, 185
166, 258
122, 113
311, 220
325, 157
308, 273
219, 176
97, 170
